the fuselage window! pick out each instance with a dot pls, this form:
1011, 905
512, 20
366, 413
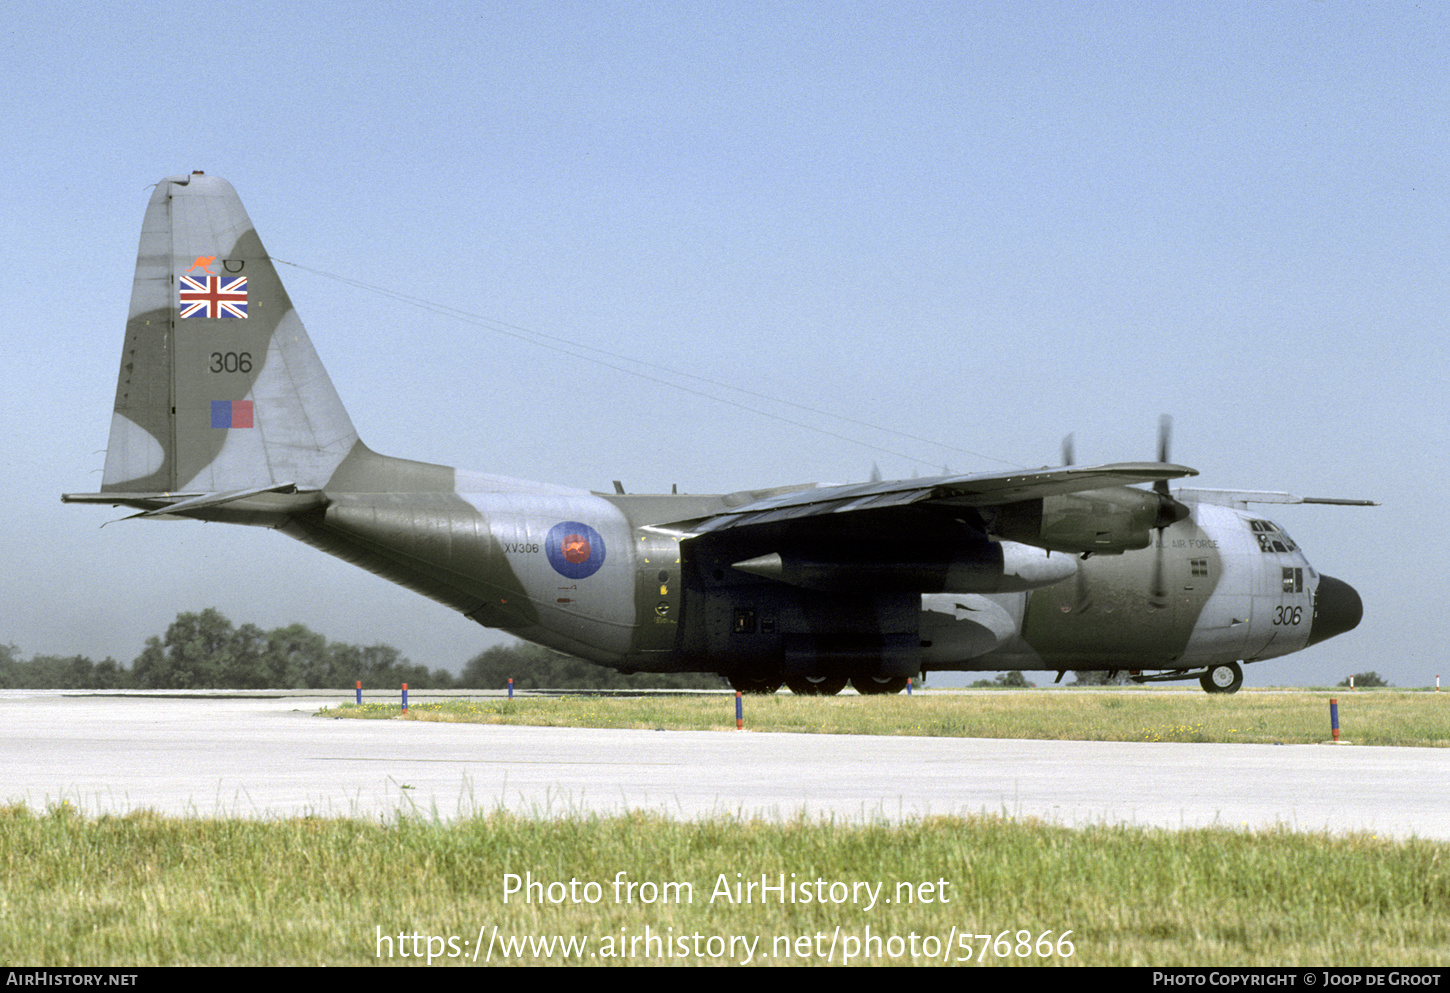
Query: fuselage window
1272, 538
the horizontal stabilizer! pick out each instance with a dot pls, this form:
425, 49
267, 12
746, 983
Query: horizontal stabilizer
188, 504
121, 498
218, 499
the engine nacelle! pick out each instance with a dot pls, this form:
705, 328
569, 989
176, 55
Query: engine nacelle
1103, 522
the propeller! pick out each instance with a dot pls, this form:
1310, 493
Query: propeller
1170, 512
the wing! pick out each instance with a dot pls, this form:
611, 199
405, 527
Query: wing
976, 492
967, 533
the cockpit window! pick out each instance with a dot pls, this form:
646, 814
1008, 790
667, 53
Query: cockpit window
1272, 538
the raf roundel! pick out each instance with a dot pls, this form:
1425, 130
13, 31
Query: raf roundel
575, 550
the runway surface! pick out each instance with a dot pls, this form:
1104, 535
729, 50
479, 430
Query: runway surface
273, 757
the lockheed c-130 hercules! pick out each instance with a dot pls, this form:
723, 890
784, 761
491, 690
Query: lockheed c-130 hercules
224, 413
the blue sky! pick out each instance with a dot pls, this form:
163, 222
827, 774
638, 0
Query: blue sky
968, 228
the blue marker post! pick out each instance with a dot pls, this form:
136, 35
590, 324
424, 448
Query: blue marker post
511, 687
359, 692
739, 713
909, 681
405, 698
1334, 719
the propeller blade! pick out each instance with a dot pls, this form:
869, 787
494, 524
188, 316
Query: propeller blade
1170, 511
1160, 592
1082, 600
1165, 443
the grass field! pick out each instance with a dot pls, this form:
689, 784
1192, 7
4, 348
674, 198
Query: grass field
148, 890
1367, 717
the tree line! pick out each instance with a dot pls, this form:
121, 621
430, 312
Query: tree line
206, 651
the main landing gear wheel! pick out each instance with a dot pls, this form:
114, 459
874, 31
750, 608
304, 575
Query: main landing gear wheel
816, 685
1222, 678
872, 685
757, 685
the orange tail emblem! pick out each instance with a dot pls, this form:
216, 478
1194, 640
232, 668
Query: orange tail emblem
203, 262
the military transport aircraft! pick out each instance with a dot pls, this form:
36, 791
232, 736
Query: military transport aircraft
224, 413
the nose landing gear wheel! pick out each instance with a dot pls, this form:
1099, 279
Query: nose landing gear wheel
1222, 678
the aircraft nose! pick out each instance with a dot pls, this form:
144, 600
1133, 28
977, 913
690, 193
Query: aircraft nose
1337, 609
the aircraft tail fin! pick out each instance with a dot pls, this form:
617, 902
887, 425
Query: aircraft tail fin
220, 390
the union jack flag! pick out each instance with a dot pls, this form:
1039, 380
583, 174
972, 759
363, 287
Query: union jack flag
214, 296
